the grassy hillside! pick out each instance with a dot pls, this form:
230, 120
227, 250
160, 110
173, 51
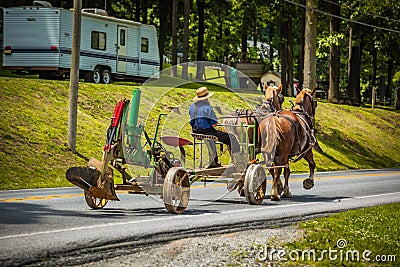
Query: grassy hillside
34, 126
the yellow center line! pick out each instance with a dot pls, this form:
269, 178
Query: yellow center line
21, 199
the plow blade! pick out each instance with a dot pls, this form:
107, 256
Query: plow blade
83, 177
87, 179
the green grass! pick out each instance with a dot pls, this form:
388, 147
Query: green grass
373, 229
34, 127
362, 237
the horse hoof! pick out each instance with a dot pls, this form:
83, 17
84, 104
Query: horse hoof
275, 198
289, 195
308, 183
280, 187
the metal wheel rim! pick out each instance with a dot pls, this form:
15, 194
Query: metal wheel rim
176, 190
96, 76
255, 184
106, 77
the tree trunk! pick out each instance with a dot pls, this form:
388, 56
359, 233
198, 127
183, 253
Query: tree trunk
144, 12
271, 49
334, 67
255, 37
200, 40
186, 38
302, 37
389, 80
244, 46
397, 99
310, 46
373, 75
382, 83
174, 37
284, 54
357, 87
245, 28
354, 66
137, 11
163, 29
347, 93
290, 58
220, 37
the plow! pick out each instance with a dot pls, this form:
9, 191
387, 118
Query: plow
129, 145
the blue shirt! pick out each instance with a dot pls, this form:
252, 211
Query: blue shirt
202, 115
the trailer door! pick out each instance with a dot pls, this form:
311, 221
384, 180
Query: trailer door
121, 49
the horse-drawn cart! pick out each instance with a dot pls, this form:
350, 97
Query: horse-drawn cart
144, 165
168, 175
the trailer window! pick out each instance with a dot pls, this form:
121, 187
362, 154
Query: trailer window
145, 45
98, 40
122, 37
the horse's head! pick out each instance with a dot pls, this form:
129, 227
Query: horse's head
305, 101
272, 100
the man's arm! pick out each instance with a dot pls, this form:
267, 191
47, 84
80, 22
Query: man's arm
213, 118
191, 113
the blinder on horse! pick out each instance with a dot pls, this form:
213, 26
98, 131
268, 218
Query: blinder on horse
299, 106
314, 103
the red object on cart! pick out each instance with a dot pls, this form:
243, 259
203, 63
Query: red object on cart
115, 122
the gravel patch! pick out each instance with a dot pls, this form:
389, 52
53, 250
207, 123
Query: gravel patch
238, 249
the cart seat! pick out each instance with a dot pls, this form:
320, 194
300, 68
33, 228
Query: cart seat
176, 141
204, 137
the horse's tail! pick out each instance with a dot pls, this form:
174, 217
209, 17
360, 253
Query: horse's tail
270, 138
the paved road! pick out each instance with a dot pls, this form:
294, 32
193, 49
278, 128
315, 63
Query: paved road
56, 227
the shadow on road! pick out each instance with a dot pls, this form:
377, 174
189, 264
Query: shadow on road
315, 198
28, 213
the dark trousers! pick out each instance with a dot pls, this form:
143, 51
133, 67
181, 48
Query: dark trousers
223, 137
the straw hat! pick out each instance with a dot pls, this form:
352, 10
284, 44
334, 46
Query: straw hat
202, 94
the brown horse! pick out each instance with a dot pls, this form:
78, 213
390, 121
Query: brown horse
289, 134
254, 117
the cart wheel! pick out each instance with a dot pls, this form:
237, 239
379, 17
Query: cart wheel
255, 184
95, 203
176, 190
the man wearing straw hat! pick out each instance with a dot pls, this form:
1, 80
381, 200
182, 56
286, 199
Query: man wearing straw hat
204, 121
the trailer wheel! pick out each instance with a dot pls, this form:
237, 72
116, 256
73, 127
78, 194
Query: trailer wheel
176, 190
255, 184
97, 75
95, 203
106, 76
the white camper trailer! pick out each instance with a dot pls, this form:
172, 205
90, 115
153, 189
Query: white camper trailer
38, 39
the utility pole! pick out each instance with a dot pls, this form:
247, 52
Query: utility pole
74, 76
310, 46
